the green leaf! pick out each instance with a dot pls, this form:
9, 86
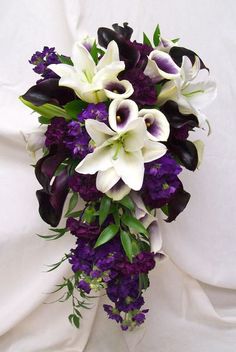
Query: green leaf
74, 214
56, 265
104, 209
76, 321
71, 317
60, 168
146, 40
73, 202
107, 234
46, 110
116, 215
127, 202
73, 108
65, 60
156, 36
135, 247
127, 244
44, 120
175, 40
134, 224
89, 214
70, 287
94, 52
143, 282
164, 208
158, 88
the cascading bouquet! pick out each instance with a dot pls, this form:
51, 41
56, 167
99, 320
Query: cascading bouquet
115, 121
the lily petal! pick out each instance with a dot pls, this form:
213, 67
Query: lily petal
130, 167
200, 94
121, 112
153, 151
111, 55
106, 180
82, 60
118, 191
99, 160
135, 135
158, 128
98, 131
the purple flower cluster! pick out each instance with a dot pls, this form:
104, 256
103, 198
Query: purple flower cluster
42, 59
160, 181
94, 111
85, 185
56, 132
108, 267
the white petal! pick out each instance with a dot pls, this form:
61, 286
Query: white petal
158, 128
111, 55
118, 89
82, 60
91, 96
106, 180
98, 131
135, 135
121, 112
69, 77
99, 160
153, 150
118, 191
130, 167
109, 72
164, 66
188, 70
168, 92
200, 94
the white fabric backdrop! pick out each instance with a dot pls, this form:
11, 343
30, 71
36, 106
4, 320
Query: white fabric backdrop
192, 298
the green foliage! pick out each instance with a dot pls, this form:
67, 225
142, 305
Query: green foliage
143, 282
59, 234
127, 244
72, 203
73, 108
127, 203
146, 40
104, 209
48, 111
107, 234
44, 120
56, 265
133, 224
156, 36
94, 52
175, 40
65, 60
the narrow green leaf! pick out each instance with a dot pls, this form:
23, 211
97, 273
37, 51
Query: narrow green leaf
104, 209
156, 36
143, 282
94, 52
127, 202
75, 107
65, 60
164, 208
127, 244
70, 287
134, 224
158, 88
72, 203
76, 321
46, 110
44, 120
175, 40
106, 235
135, 247
146, 40
74, 214
71, 317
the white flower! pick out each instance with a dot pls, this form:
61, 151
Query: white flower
190, 95
35, 139
161, 66
94, 83
121, 149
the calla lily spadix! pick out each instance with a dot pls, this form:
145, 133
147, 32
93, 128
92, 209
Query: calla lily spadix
121, 149
190, 95
161, 66
94, 83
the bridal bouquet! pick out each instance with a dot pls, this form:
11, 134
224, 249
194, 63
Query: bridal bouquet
115, 121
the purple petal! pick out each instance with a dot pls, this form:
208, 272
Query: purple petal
165, 64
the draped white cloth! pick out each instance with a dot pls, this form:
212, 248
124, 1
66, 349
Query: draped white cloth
192, 298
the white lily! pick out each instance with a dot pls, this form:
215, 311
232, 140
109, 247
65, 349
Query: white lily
121, 149
90, 81
191, 96
161, 66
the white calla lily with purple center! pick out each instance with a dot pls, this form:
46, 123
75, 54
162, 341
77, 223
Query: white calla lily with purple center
120, 150
190, 95
158, 128
94, 83
161, 66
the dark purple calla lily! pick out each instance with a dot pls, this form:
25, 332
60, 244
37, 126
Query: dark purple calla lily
177, 204
185, 151
177, 53
46, 166
48, 91
51, 202
175, 118
125, 31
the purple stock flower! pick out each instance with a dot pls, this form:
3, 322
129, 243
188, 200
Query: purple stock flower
160, 181
56, 132
83, 285
85, 185
81, 229
77, 140
94, 111
112, 313
41, 61
144, 89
